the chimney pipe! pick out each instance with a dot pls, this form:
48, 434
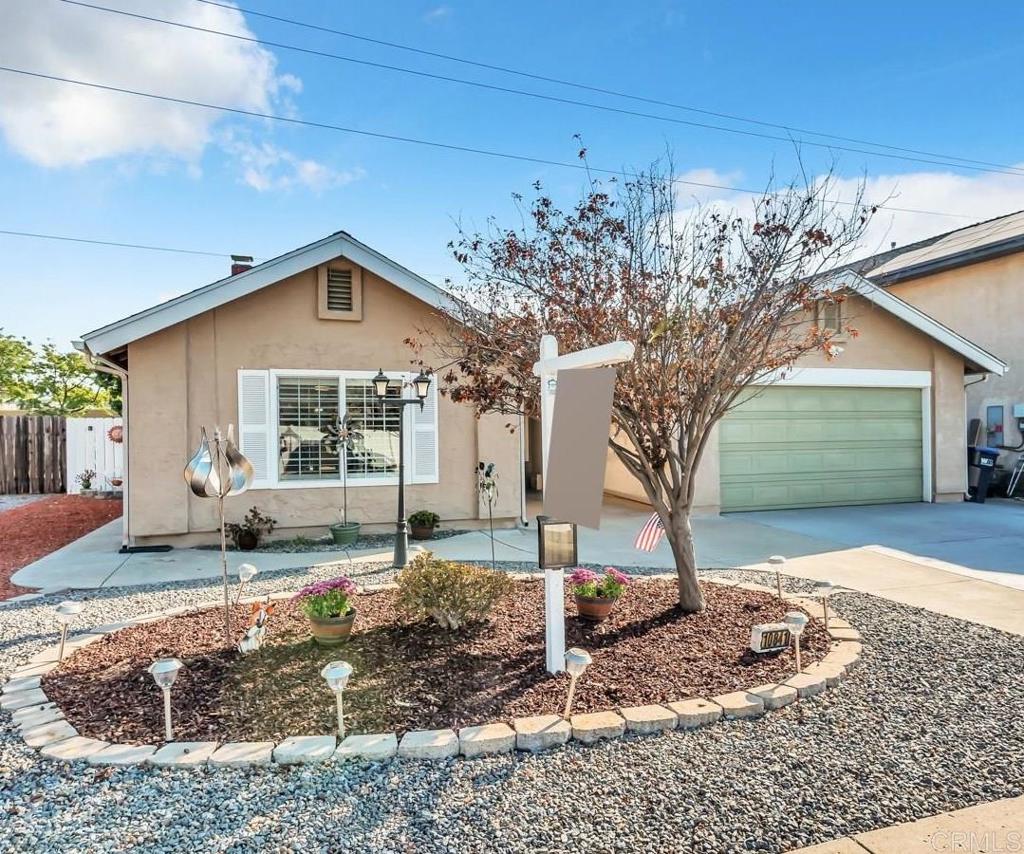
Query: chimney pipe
240, 263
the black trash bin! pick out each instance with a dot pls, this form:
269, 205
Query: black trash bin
981, 464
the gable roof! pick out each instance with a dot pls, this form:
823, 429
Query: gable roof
976, 359
340, 244
981, 241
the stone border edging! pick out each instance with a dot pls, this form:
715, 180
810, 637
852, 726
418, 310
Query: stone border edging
43, 727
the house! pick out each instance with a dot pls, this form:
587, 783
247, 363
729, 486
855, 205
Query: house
280, 350
973, 280
884, 421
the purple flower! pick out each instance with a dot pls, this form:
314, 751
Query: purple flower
619, 577
341, 584
582, 576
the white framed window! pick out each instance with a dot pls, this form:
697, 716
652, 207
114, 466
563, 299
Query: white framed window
286, 418
830, 316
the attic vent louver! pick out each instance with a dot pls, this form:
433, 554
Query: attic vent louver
339, 290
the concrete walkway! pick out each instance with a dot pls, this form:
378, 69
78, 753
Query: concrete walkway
94, 561
994, 828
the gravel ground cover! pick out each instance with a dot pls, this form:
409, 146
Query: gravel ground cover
294, 545
414, 675
36, 528
931, 720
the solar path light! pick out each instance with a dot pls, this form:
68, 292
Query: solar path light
576, 661
246, 572
796, 620
777, 561
66, 612
164, 671
824, 589
336, 675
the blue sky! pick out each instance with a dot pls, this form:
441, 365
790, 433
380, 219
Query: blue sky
112, 167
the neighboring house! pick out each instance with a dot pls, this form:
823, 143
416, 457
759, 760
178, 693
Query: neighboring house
882, 422
280, 350
973, 280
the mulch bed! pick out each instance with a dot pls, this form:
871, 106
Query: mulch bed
33, 530
413, 675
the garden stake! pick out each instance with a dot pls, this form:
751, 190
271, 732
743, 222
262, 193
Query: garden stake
217, 474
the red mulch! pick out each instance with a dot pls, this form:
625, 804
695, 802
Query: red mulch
33, 530
414, 675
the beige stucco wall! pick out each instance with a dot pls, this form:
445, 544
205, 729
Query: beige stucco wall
983, 302
185, 377
883, 342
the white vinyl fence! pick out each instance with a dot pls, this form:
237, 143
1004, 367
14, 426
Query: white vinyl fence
89, 447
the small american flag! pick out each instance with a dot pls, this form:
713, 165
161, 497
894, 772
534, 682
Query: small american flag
650, 534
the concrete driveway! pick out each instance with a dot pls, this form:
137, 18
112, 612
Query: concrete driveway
982, 540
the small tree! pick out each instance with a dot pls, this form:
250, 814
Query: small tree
59, 383
16, 357
713, 301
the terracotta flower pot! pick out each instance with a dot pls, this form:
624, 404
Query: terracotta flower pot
330, 631
422, 532
594, 609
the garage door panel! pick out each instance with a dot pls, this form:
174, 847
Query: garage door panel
813, 447
873, 461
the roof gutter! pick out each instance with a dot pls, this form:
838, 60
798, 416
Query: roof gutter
104, 365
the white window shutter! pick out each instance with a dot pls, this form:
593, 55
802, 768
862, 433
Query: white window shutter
425, 467
254, 424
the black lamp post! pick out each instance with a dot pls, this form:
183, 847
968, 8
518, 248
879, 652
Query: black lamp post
380, 389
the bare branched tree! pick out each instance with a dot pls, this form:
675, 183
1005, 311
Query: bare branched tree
713, 301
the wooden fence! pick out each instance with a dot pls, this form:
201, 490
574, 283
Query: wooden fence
32, 454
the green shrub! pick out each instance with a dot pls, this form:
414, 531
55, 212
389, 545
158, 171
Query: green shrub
451, 594
424, 519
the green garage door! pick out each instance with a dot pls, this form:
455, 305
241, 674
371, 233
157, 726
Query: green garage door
793, 446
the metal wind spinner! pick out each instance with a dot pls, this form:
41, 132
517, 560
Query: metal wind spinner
218, 469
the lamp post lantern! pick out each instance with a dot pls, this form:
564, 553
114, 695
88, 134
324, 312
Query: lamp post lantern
421, 384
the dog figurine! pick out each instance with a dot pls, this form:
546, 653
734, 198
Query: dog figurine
257, 630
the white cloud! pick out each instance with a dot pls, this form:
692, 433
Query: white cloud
438, 13
62, 125
977, 196
265, 166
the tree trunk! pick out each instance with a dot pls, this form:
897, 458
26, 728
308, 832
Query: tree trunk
680, 537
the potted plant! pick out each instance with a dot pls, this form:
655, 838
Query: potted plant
422, 523
246, 535
344, 436
596, 594
328, 607
84, 480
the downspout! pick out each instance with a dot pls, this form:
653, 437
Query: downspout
108, 367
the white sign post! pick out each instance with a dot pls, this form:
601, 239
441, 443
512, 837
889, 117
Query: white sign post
547, 369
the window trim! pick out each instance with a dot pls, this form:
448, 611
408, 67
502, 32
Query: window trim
275, 482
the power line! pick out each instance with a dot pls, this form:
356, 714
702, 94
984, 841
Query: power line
463, 149
590, 88
1002, 170
112, 243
